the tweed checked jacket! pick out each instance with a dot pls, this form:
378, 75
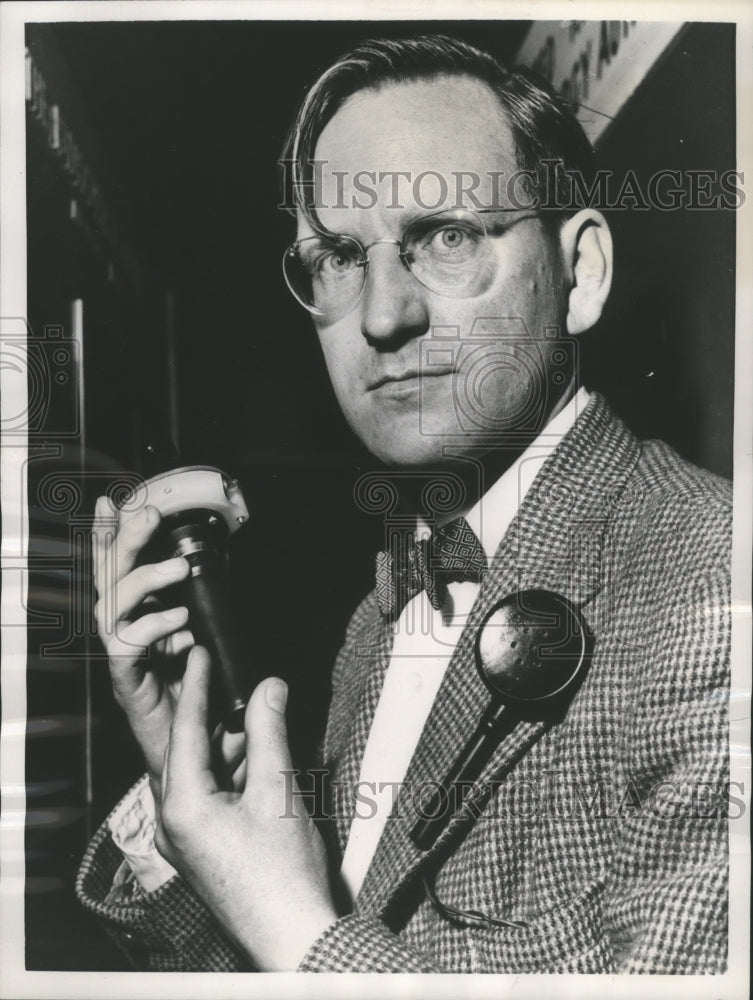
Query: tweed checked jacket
606, 834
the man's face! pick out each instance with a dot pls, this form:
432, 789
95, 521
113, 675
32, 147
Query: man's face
414, 377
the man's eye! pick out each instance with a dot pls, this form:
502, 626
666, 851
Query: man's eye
337, 261
450, 243
325, 262
328, 263
448, 239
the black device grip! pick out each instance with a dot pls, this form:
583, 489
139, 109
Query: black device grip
199, 537
496, 723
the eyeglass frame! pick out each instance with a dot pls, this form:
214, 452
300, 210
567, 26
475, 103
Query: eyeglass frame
363, 261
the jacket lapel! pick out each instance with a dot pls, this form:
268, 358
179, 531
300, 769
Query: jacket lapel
346, 748
556, 542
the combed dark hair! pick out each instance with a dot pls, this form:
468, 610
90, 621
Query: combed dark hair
542, 123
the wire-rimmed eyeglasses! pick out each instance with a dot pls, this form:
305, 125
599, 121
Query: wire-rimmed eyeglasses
451, 252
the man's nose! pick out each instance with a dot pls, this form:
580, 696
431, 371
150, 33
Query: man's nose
393, 309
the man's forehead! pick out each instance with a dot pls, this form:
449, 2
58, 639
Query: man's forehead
411, 143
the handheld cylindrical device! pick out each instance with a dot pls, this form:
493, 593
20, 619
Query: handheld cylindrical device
201, 508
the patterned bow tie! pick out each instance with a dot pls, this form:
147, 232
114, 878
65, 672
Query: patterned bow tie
452, 553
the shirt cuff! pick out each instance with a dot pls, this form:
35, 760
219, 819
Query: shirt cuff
132, 824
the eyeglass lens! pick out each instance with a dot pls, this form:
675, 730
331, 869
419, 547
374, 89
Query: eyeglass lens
448, 252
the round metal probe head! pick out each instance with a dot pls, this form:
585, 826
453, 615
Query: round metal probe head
531, 648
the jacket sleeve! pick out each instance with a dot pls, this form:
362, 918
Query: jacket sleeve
165, 930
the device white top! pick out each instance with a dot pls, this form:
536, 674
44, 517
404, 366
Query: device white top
188, 488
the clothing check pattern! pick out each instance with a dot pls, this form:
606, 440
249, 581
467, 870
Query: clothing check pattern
586, 832
452, 553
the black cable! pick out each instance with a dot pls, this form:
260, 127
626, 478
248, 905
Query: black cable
473, 917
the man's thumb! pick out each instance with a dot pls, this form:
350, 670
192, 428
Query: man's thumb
266, 732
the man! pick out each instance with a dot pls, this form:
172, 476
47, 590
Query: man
447, 314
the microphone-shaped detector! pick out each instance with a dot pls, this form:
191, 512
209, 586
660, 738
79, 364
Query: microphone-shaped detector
201, 508
532, 652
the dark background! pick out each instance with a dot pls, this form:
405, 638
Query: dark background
182, 125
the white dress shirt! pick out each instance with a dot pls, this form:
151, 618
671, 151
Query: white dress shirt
424, 642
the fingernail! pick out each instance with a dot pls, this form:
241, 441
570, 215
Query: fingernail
172, 567
277, 695
175, 614
149, 513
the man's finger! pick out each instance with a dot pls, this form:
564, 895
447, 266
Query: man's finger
121, 554
239, 777
104, 528
233, 748
267, 752
142, 582
189, 764
228, 751
179, 642
128, 642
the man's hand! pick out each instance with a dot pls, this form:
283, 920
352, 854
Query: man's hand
132, 623
260, 870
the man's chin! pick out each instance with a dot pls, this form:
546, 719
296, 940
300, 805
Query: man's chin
412, 439
415, 451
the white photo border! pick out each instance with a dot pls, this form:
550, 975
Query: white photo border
15, 981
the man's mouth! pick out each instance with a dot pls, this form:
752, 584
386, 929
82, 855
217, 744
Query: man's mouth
410, 375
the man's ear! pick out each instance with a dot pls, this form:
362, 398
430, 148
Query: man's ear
587, 249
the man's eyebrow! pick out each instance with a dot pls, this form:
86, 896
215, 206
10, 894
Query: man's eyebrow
328, 234
508, 217
404, 215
